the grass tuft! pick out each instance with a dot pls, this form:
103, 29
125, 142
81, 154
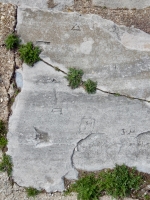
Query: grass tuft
29, 53
90, 86
3, 132
12, 41
3, 142
74, 77
86, 187
6, 164
32, 192
119, 182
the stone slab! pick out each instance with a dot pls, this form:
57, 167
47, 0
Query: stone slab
122, 4
55, 130
41, 4
117, 57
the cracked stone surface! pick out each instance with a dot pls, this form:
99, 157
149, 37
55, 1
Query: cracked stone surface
9, 192
15, 192
41, 4
85, 41
54, 130
122, 4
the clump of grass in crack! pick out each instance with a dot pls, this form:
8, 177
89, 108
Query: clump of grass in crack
3, 132
3, 142
6, 164
29, 53
119, 182
87, 188
32, 192
90, 86
74, 77
12, 41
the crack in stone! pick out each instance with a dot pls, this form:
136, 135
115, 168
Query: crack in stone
104, 91
123, 95
52, 66
42, 42
72, 163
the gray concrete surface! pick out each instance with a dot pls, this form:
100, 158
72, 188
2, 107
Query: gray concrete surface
122, 4
116, 56
41, 4
55, 130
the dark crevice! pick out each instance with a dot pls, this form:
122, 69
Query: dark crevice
123, 95
12, 79
77, 147
54, 67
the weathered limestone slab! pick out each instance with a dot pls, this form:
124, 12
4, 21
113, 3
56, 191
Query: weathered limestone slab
41, 4
122, 4
116, 56
54, 130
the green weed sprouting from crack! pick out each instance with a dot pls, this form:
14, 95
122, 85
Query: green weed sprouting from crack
90, 86
29, 53
117, 94
86, 188
32, 192
3, 142
3, 132
12, 41
6, 164
74, 77
119, 182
